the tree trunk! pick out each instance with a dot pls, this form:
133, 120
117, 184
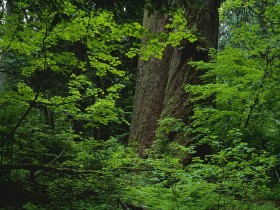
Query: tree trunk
160, 82
151, 81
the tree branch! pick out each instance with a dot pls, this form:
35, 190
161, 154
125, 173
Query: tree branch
45, 168
31, 105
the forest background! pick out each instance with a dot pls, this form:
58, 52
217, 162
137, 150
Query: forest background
139, 104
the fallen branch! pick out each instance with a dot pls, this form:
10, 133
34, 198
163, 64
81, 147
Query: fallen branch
46, 168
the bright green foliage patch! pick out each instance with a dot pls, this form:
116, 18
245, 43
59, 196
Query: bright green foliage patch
67, 67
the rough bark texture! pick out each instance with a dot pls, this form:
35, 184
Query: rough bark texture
150, 86
160, 83
204, 17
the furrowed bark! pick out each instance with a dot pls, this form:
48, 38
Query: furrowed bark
150, 86
160, 82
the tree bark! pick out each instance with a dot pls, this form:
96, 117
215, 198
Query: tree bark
160, 82
151, 81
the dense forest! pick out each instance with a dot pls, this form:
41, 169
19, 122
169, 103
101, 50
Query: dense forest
141, 104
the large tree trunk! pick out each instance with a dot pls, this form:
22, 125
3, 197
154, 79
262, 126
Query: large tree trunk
203, 16
151, 81
160, 82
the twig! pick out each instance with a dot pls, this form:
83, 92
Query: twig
277, 176
56, 158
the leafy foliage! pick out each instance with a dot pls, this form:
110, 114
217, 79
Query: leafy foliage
67, 79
